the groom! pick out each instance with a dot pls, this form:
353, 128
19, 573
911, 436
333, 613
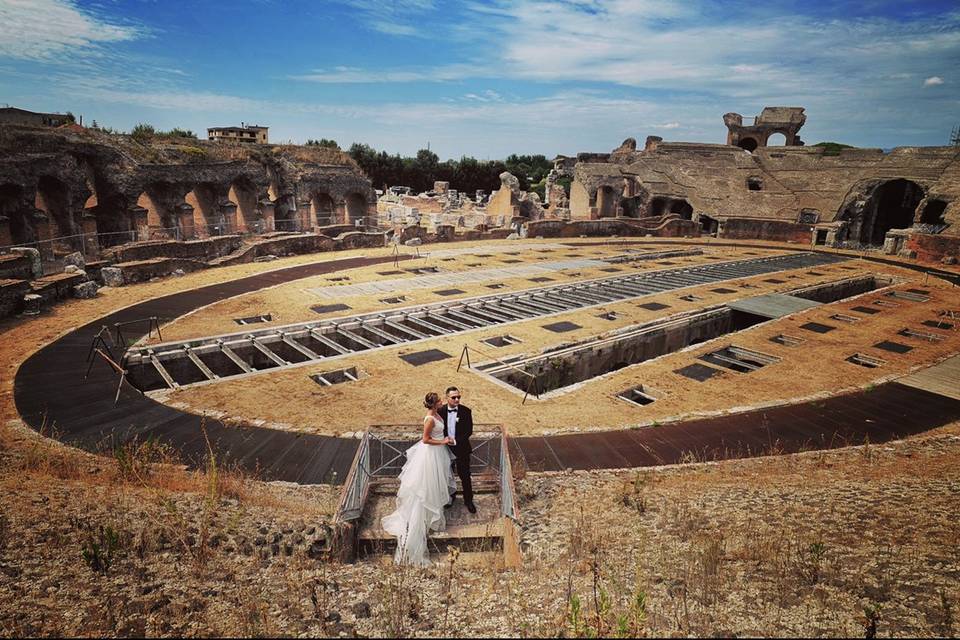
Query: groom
458, 426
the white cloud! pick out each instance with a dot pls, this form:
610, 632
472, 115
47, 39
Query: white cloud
933, 81
393, 17
45, 30
668, 125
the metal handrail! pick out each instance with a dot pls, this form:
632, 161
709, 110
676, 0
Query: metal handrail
357, 484
364, 469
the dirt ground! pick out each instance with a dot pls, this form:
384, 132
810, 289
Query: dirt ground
819, 544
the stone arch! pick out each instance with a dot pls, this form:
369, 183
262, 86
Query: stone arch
682, 208
160, 200
776, 139
879, 206
203, 199
243, 193
12, 205
658, 206
323, 209
356, 207
53, 198
748, 144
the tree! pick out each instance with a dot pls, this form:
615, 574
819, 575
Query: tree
143, 132
323, 142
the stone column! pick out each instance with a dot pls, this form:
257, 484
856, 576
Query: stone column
268, 210
228, 217
41, 224
5, 237
88, 226
138, 222
305, 221
184, 213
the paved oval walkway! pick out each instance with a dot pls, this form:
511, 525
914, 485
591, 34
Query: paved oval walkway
50, 392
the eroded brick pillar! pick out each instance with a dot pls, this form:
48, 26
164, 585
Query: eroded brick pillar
228, 214
41, 225
269, 211
88, 226
185, 222
304, 218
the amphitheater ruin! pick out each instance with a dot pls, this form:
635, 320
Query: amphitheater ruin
678, 300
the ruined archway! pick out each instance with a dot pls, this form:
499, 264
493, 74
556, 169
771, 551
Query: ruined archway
877, 207
896, 202
682, 208
13, 207
356, 208
244, 194
776, 139
53, 198
203, 199
323, 208
747, 144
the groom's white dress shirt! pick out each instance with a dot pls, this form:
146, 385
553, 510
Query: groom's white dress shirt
452, 424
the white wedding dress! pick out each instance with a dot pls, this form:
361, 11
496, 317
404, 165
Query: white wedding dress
426, 482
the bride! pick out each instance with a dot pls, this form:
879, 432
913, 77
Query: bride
426, 484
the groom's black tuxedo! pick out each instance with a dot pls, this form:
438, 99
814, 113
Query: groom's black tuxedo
462, 449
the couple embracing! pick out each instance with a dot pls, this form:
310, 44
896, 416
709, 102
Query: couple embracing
427, 486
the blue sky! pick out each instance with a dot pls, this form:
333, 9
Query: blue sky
489, 78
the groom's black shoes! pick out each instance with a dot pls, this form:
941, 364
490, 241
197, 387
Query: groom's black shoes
471, 508
453, 499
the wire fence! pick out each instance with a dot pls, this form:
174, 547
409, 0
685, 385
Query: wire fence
53, 250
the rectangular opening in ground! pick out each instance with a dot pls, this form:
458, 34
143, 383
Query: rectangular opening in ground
595, 357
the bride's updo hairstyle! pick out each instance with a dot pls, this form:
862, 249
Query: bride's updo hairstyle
431, 400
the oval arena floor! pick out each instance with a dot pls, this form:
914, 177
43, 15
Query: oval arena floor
852, 370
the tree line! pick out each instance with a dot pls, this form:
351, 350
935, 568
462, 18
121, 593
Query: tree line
466, 175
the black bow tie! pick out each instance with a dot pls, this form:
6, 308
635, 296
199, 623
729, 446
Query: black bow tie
453, 410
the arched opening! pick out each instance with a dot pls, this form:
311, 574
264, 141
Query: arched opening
658, 206
747, 144
891, 205
356, 208
244, 194
632, 207
158, 199
933, 212
203, 199
682, 208
155, 214
754, 183
322, 208
606, 205
708, 225
12, 206
52, 198
776, 140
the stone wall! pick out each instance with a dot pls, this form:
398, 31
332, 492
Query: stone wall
671, 228
204, 250
777, 230
60, 183
811, 185
934, 248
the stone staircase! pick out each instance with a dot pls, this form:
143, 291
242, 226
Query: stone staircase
480, 532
